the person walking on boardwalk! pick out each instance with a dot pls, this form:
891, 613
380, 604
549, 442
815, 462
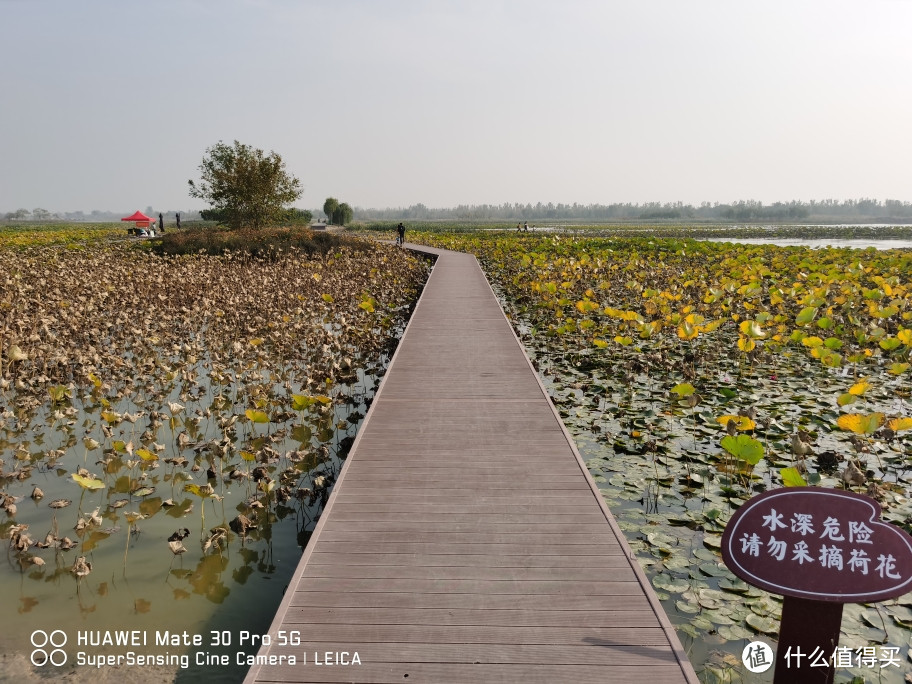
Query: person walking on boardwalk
400, 234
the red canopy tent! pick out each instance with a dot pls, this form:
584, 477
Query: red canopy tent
140, 219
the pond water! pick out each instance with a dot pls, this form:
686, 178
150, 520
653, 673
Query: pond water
136, 582
655, 461
649, 459
166, 449
817, 243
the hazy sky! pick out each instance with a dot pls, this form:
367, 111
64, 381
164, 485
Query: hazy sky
111, 104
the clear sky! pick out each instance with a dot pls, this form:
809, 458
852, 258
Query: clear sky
111, 104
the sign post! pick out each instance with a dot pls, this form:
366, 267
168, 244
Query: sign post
819, 548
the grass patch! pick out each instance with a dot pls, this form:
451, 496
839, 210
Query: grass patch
256, 242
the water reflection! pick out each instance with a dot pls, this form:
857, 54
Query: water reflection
228, 575
816, 243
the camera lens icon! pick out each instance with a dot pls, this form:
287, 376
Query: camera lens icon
56, 639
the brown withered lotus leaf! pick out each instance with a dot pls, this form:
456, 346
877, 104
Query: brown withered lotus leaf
100, 319
179, 535
126, 356
853, 475
218, 536
241, 524
81, 567
19, 539
177, 547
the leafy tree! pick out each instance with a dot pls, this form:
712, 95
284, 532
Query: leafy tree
343, 214
329, 208
245, 186
40, 214
296, 216
218, 215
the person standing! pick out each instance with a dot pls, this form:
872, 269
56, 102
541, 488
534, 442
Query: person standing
161, 223
400, 234
178, 217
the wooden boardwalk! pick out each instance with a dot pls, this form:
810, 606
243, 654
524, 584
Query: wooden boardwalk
465, 540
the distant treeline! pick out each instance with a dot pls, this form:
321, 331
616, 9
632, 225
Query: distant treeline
94, 216
744, 210
850, 211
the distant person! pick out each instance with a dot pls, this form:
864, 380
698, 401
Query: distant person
178, 217
526, 227
400, 234
518, 227
161, 222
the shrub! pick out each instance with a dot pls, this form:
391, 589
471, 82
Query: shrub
256, 242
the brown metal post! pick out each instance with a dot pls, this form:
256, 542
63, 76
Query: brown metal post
806, 626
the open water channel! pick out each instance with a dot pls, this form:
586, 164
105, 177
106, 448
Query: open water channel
214, 590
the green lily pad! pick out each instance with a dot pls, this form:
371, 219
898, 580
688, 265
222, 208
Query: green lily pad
764, 625
687, 607
714, 570
668, 583
707, 554
734, 585
734, 632
689, 630
703, 624
676, 563
712, 541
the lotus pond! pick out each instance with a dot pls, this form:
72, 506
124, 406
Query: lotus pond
171, 426
71, 235
694, 375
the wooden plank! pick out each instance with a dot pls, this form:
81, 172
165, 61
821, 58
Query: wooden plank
389, 469
542, 496
624, 585
467, 476
368, 653
459, 572
308, 599
430, 515
555, 486
467, 549
472, 508
475, 617
445, 452
459, 673
343, 535
606, 561
478, 526
478, 634
531, 411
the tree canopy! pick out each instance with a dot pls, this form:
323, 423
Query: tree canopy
329, 207
342, 214
245, 186
337, 214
